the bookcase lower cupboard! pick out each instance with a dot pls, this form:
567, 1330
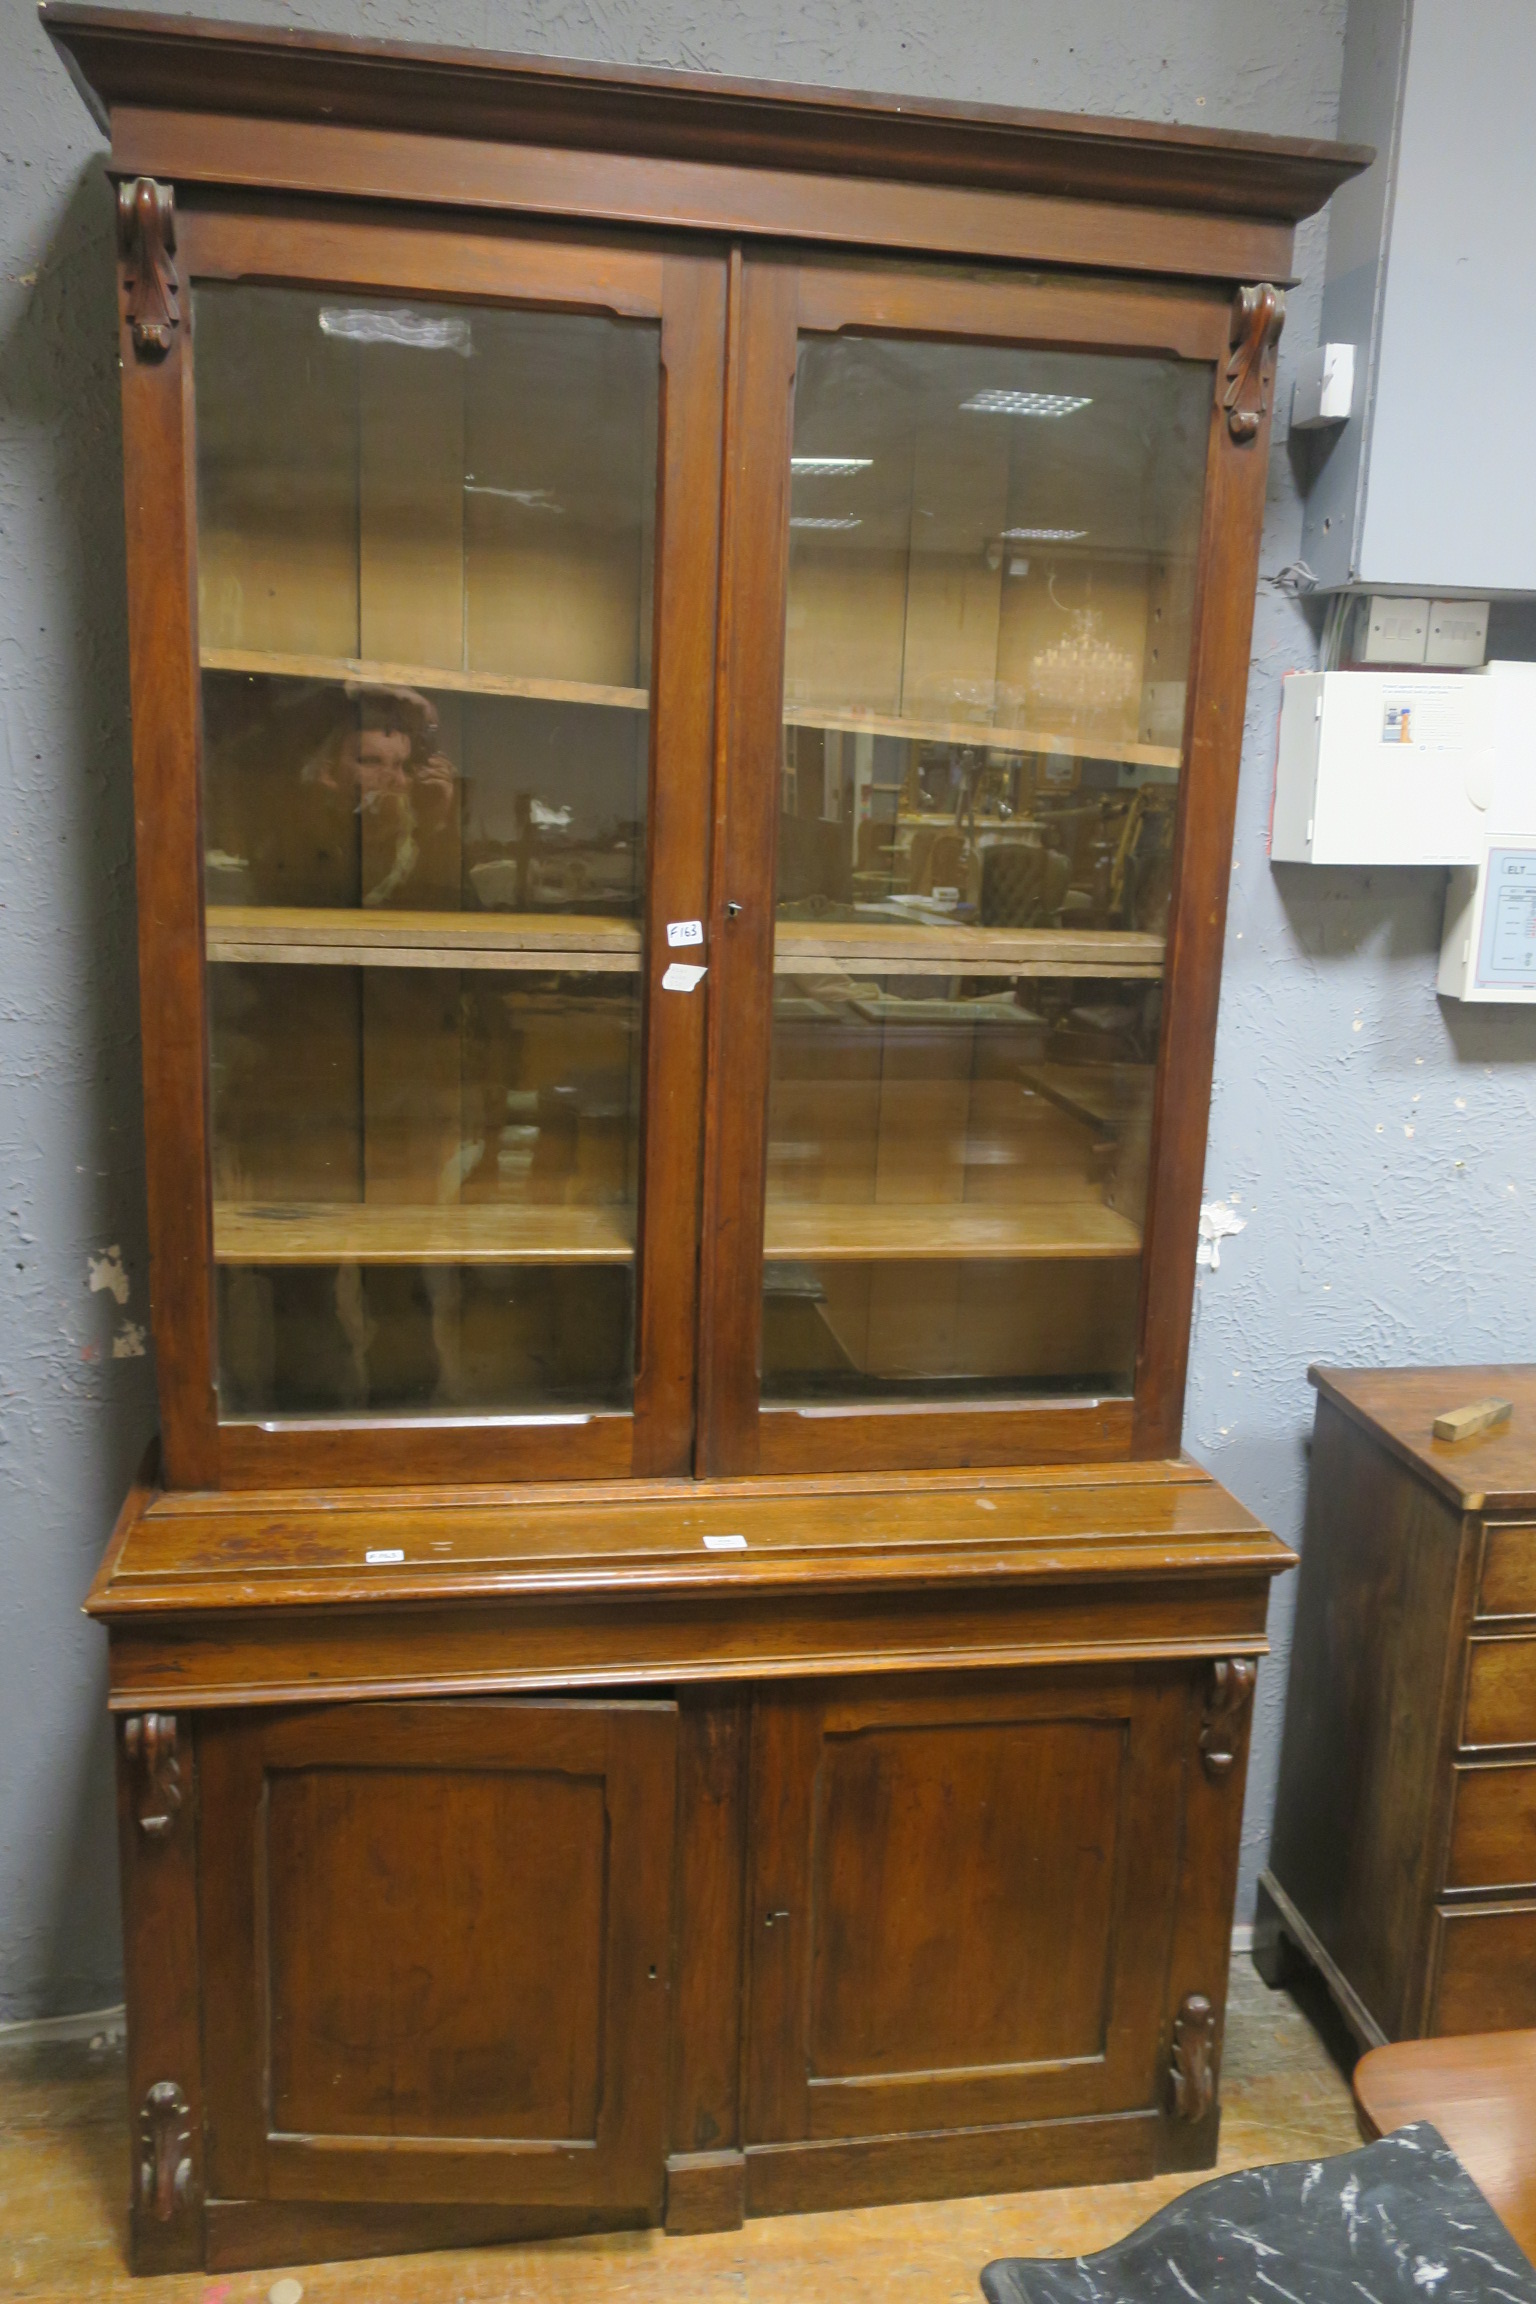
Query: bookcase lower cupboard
687, 646
566, 1873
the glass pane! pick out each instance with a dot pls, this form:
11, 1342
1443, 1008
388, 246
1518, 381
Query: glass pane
426, 539
992, 567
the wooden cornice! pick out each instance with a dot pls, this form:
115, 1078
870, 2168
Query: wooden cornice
124, 59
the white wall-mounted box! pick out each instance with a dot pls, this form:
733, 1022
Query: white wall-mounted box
1443, 635
1324, 391
1383, 768
1489, 946
1458, 632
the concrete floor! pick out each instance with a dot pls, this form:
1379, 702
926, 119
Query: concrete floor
63, 2182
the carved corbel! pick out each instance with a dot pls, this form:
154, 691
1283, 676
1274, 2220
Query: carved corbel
1258, 315
1192, 2065
165, 2152
146, 240
149, 1742
1226, 1707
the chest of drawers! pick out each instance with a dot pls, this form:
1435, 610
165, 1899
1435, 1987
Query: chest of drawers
1403, 1862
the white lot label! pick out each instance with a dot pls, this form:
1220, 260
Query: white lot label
382, 1559
682, 976
685, 932
725, 1543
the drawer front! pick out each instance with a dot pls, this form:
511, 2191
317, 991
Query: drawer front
1501, 1693
1508, 1583
1485, 1970
1493, 1828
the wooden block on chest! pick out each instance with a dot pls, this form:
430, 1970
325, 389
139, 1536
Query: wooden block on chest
1477, 1416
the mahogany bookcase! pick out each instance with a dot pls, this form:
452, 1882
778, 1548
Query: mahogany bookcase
688, 659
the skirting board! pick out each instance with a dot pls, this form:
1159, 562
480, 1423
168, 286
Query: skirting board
90, 2023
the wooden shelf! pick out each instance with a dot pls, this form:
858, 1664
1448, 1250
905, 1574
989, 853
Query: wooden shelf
348, 1232
364, 673
1095, 1095
352, 1232
281, 936
987, 738
887, 948
290, 936
824, 1231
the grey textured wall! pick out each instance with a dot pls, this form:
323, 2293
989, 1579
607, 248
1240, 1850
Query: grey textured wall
1373, 1141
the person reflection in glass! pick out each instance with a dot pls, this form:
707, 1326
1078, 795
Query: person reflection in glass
386, 766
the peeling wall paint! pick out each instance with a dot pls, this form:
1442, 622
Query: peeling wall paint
1374, 1142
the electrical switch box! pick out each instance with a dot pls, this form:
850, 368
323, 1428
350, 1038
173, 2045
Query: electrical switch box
1389, 630
1383, 768
1445, 634
1458, 632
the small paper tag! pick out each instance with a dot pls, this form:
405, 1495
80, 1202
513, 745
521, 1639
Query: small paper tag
725, 1543
382, 1559
685, 932
682, 976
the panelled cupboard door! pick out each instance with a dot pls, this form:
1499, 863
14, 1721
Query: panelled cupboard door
979, 786
438, 1947
457, 501
960, 1904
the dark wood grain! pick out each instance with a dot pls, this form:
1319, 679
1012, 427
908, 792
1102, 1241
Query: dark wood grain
1507, 1585
520, 1836
1363, 1800
388, 1449
396, 1893
158, 1872
706, 2191
1213, 743
682, 770
244, 2234
1483, 1969
122, 57
923, 1860
1480, 2092
1403, 1860
1024, 1432
220, 238
755, 537
1495, 1472
1209, 1847
606, 188
1176, 320
1493, 1827
714, 1733
1026, 2156
159, 493
1501, 1692
186, 1555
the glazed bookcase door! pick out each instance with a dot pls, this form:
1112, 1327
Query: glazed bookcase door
454, 532
963, 780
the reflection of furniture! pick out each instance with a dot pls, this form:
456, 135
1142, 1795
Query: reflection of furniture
1404, 1854
1480, 2092
1395, 2222
606, 1797
1023, 884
